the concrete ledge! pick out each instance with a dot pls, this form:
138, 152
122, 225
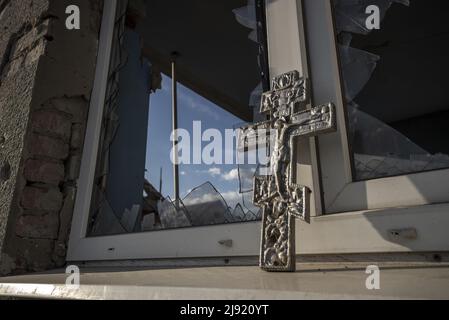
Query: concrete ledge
319, 281
40, 291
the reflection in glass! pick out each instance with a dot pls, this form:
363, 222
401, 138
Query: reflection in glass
220, 79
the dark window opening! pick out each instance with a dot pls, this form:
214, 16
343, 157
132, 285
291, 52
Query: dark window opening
395, 85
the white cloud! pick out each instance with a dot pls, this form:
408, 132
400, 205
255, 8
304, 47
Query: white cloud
205, 198
232, 198
227, 176
231, 175
214, 171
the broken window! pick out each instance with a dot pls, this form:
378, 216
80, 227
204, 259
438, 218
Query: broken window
215, 53
395, 85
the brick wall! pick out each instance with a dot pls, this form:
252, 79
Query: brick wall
46, 78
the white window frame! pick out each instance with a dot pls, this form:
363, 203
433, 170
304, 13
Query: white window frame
341, 194
362, 214
197, 242
353, 232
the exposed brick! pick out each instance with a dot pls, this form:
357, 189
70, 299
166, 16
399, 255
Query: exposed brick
52, 123
77, 139
60, 249
38, 73
34, 212
76, 107
48, 199
44, 171
73, 167
36, 253
7, 264
66, 213
49, 147
59, 254
38, 227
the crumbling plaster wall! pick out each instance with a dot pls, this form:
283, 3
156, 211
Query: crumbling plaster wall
46, 79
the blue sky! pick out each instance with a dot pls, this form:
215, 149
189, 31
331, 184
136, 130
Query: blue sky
191, 107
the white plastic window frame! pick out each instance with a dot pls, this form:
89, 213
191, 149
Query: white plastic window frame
340, 192
199, 242
352, 232
360, 217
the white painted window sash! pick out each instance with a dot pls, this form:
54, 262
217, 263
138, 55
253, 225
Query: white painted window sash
340, 192
365, 213
362, 230
196, 242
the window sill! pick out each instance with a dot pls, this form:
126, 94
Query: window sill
312, 281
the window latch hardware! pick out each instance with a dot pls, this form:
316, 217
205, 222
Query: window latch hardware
226, 243
403, 234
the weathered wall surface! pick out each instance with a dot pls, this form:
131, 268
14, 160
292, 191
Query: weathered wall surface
46, 78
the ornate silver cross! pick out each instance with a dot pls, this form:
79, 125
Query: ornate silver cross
280, 198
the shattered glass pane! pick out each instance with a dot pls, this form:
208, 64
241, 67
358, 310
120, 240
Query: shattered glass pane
172, 217
253, 161
247, 172
219, 78
104, 220
351, 14
205, 206
253, 213
237, 215
397, 101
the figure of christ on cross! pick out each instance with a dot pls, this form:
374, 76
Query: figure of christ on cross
280, 157
281, 199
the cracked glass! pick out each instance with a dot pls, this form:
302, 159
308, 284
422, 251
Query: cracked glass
218, 49
395, 83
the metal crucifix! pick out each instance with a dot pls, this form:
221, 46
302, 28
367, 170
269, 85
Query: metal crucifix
280, 198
